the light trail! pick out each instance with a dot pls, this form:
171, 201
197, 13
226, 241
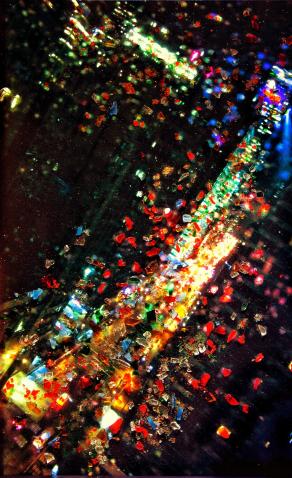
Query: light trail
219, 198
150, 47
186, 276
187, 286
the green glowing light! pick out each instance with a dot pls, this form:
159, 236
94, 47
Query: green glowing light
151, 47
87, 272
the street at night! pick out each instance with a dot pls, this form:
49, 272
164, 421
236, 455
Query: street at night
146, 238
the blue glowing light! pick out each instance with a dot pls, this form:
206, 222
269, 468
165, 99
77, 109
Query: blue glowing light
285, 147
261, 55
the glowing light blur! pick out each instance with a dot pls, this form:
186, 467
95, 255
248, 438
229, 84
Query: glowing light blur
151, 47
188, 284
27, 395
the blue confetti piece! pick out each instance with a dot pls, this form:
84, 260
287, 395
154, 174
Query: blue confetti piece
179, 414
173, 401
231, 60
113, 109
35, 294
151, 423
179, 203
128, 357
125, 344
75, 305
69, 312
79, 230
36, 361
53, 343
85, 335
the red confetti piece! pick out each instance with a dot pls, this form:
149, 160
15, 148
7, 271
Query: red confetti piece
241, 339
121, 285
130, 90
200, 195
159, 385
99, 120
208, 328
191, 156
231, 336
120, 238
150, 243
211, 346
226, 372
101, 288
128, 223
136, 268
115, 427
84, 382
151, 196
125, 312
223, 432
245, 408
258, 358
169, 240
195, 383
231, 400
107, 274
257, 254
169, 299
205, 379
132, 241
143, 409
225, 299
139, 446
9, 384
220, 330
256, 383
50, 282
142, 430
228, 290
153, 252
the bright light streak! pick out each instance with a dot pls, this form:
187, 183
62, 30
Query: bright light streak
283, 75
109, 417
5, 92
286, 147
219, 198
188, 284
151, 47
81, 28
8, 357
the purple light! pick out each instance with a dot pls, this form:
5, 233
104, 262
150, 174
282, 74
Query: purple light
195, 55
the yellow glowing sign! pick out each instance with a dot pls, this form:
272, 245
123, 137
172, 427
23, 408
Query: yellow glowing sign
26, 395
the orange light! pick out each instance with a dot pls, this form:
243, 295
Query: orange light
126, 380
223, 432
120, 403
